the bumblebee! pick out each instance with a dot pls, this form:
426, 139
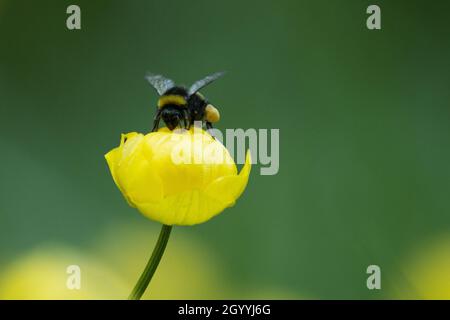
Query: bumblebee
181, 107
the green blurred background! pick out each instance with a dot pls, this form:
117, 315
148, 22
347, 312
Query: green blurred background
364, 119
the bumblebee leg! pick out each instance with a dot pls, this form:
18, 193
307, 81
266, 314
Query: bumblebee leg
209, 126
156, 121
189, 119
186, 120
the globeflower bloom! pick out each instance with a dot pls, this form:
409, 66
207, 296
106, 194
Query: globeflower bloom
181, 177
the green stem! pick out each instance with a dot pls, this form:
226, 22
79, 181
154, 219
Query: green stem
152, 264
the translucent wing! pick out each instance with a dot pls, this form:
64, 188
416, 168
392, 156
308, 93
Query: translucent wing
204, 82
160, 83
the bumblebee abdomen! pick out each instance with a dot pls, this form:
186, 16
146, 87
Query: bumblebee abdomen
172, 99
174, 96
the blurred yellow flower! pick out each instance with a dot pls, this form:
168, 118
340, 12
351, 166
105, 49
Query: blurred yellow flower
177, 177
191, 270
426, 274
42, 275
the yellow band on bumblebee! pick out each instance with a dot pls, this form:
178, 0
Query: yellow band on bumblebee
171, 99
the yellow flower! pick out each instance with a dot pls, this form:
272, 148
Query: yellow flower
41, 275
177, 177
425, 271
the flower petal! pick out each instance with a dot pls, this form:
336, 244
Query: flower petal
144, 184
187, 208
229, 188
113, 158
132, 172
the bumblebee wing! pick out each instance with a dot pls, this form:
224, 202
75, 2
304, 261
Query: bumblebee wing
204, 82
160, 83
